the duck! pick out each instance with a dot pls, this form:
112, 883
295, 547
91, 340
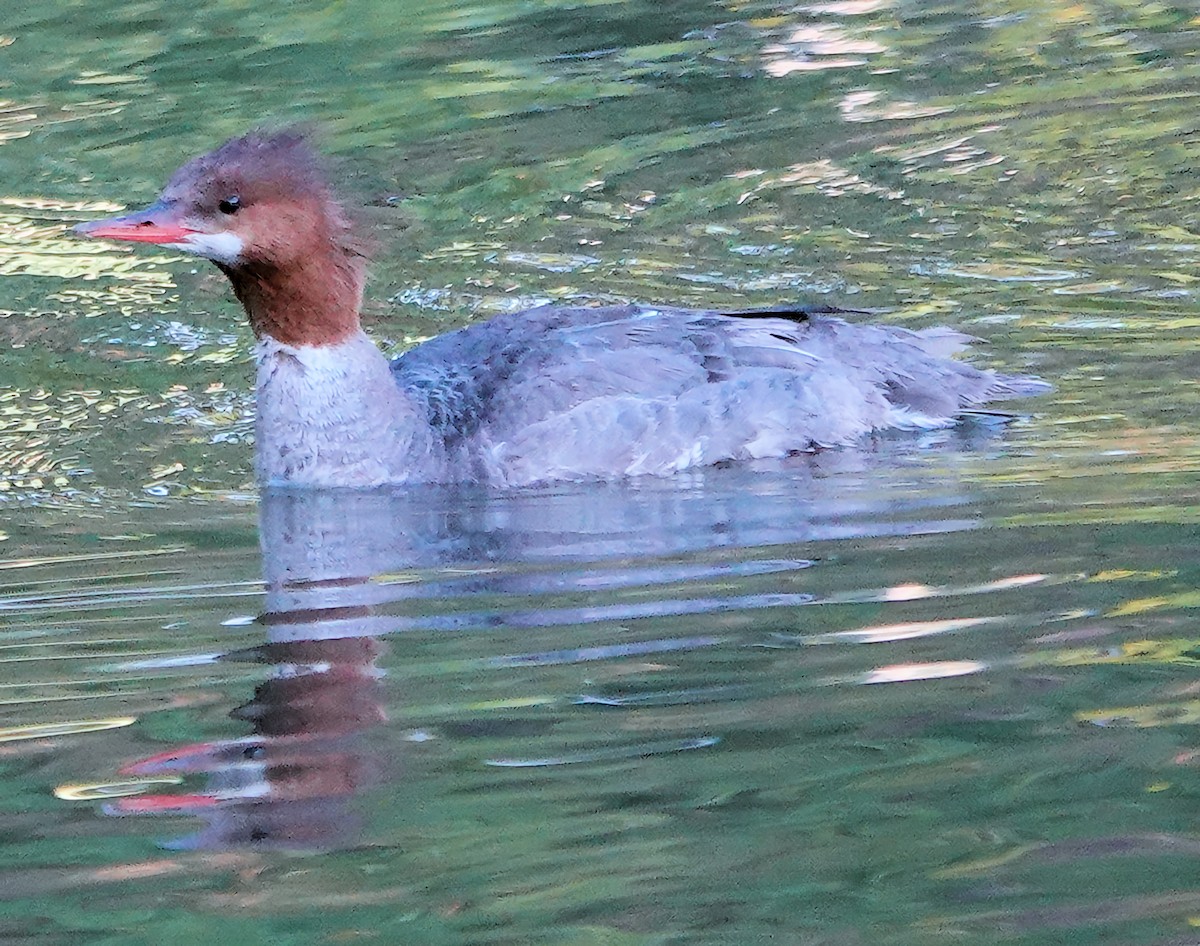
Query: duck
551, 393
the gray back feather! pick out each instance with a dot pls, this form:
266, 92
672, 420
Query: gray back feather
573, 392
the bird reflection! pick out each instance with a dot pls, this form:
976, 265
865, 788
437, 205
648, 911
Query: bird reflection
287, 783
334, 560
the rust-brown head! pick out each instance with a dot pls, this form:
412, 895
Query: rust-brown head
260, 207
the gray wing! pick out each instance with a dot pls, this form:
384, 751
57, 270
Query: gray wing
561, 393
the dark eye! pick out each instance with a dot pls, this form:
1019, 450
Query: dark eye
230, 205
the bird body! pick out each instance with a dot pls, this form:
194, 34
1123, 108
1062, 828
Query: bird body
550, 393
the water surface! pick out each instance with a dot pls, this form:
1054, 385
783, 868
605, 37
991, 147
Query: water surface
936, 690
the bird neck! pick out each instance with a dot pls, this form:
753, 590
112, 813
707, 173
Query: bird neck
314, 302
333, 415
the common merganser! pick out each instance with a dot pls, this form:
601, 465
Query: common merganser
550, 393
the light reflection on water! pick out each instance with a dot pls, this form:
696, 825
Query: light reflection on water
695, 648
342, 568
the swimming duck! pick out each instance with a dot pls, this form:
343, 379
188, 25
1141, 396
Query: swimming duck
549, 393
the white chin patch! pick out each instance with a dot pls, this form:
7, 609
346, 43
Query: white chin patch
218, 247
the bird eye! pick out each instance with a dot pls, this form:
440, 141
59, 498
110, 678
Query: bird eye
230, 204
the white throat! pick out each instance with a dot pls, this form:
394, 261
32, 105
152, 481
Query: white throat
333, 415
223, 248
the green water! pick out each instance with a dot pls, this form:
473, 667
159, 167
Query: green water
938, 691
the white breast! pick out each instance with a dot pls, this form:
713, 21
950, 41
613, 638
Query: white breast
332, 415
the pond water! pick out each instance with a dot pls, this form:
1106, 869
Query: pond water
941, 689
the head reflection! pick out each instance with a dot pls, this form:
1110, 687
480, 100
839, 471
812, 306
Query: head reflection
288, 782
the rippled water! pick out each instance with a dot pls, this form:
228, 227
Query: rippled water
939, 690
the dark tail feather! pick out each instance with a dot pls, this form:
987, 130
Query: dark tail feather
797, 314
